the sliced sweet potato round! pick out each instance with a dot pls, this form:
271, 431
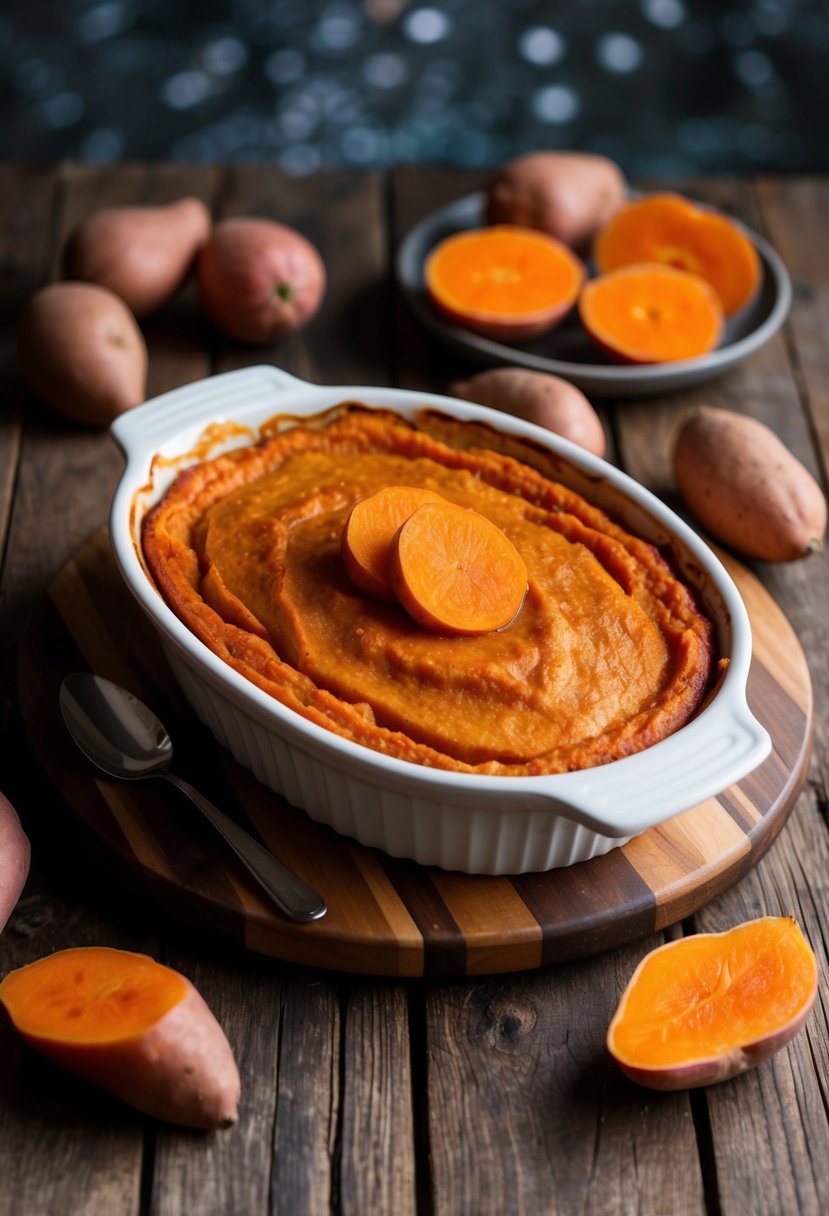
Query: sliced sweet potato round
456, 572
369, 531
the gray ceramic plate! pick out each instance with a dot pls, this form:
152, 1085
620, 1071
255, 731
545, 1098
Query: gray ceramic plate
566, 350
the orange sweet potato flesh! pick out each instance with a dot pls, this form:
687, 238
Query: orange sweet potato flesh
673, 231
135, 1028
369, 531
707, 1007
456, 572
651, 314
506, 282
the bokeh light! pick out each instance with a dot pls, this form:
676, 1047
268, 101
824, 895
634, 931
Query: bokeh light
662, 86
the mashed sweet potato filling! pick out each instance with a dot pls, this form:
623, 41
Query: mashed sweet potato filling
608, 655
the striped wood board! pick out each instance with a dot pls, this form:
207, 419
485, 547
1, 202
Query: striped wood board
386, 916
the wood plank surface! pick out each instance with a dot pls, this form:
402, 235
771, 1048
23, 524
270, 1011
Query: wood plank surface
768, 1128
63, 473
477, 1095
527, 1113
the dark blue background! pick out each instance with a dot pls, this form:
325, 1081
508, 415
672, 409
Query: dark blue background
666, 87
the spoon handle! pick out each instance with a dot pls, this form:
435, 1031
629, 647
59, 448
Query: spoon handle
290, 894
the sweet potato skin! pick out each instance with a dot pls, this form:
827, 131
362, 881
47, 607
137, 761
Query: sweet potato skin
15, 856
258, 280
712, 1071
143, 254
180, 1070
81, 351
538, 397
568, 195
746, 488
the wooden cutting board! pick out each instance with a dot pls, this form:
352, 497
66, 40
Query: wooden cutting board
386, 916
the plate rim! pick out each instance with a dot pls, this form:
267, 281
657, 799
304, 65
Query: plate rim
654, 376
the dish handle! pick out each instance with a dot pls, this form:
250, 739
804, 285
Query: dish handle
142, 431
622, 799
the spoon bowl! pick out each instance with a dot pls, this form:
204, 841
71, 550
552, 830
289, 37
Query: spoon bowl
116, 731
124, 739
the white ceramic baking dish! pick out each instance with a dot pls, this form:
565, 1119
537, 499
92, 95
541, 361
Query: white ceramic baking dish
474, 823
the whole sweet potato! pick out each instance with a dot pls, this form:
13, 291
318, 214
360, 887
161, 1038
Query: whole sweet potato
15, 854
537, 397
82, 352
746, 488
143, 254
259, 280
569, 195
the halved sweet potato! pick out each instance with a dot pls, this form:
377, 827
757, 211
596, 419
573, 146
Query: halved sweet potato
651, 314
506, 282
709, 1006
135, 1028
673, 231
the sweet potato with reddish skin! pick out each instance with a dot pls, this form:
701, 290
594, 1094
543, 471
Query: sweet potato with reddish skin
258, 280
746, 488
143, 254
137, 1029
15, 855
82, 352
712, 1005
537, 397
568, 195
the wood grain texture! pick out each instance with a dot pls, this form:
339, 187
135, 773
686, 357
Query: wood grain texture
527, 1113
764, 1133
307, 1112
89, 1147
377, 1157
388, 916
496, 1094
768, 1127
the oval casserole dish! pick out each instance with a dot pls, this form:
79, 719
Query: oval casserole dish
459, 821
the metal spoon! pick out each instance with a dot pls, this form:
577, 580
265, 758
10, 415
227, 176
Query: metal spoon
125, 739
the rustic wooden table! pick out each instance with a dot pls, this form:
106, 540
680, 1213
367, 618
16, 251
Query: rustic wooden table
370, 1096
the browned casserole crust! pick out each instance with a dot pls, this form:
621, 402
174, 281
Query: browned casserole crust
609, 654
